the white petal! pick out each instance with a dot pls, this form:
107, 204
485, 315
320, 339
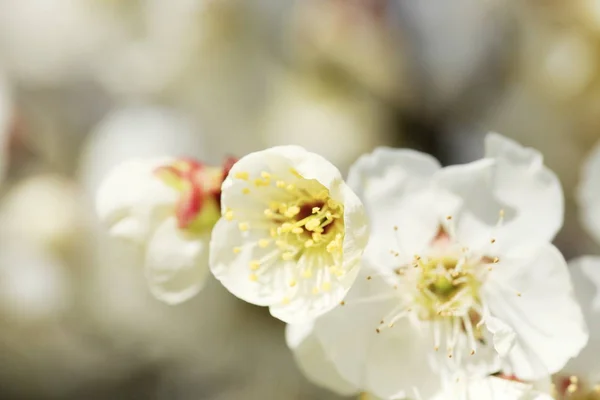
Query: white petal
278, 161
394, 185
588, 193
503, 335
176, 264
493, 388
304, 305
132, 200
586, 281
388, 171
313, 361
233, 269
386, 364
512, 179
530, 290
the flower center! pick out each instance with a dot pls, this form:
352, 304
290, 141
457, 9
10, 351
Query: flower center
442, 288
446, 287
303, 223
199, 185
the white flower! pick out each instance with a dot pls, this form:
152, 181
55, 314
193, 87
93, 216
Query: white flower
46, 210
291, 235
588, 194
169, 206
321, 370
460, 271
581, 376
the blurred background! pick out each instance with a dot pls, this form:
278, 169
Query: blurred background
86, 84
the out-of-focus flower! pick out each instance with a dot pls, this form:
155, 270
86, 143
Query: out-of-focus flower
291, 235
139, 131
33, 284
48, 41
460, 271
153, 45
588, 194
46, 210
318, 115
349, 35
169, 206
581, 376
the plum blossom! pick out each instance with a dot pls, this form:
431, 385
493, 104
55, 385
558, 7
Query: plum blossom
319, 369
588, 194
580, 378
169, 206
291, 234
459, 274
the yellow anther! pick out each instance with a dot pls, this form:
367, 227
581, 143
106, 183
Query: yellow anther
309, 243
288, 256
254, 265
573, 379
312, 224
265, 175
285, 227
253, 277
237, 250
572, 388
317, 236
292, 211
315, 210
229, 215
269, 213
496, 260
293, 283
241, 175
244, 226
296, 173
263, 243
245, 190
280, 184
290, 187
297, 230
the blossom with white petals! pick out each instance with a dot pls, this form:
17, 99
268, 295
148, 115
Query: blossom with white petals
319, 369
580, 379
168, 206
291, 233
588, 194
461, 274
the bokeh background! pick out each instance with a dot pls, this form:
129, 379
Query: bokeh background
85, 84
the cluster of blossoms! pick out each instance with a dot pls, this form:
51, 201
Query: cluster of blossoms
410, 281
